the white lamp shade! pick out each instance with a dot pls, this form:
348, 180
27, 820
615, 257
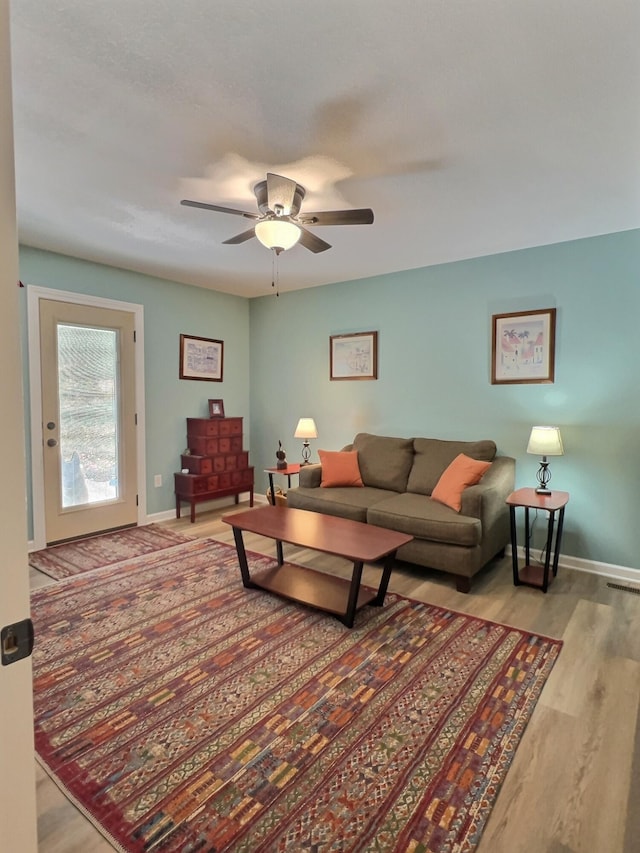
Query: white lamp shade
545, 441
306, 429
277, 233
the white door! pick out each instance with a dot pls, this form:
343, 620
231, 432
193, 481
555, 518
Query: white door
88, 418
17, 780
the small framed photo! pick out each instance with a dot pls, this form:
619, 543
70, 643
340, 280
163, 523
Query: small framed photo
353, 356
216, 409
523, 347
201, 358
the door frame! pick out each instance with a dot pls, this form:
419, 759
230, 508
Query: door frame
34, 295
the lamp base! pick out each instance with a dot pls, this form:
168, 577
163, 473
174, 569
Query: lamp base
543, 475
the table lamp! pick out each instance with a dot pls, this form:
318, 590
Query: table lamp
306, 429
545, 441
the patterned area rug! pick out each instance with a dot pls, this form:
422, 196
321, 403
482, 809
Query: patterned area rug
185, 713
73, 558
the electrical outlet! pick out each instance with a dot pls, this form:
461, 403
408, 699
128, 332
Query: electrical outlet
157, 480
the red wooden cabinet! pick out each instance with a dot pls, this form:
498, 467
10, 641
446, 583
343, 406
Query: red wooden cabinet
217, 466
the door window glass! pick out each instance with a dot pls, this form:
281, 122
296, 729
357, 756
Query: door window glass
89, 417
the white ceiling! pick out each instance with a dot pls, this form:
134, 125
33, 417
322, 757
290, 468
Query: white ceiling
469, 127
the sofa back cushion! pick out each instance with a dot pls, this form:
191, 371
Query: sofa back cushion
384, 462
433, 456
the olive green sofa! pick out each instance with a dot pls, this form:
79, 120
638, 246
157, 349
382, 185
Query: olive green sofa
399, 475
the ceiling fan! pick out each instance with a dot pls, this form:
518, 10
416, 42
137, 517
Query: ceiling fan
280, 225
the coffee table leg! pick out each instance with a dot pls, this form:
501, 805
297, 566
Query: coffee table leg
350, 615
242, 558
389, 562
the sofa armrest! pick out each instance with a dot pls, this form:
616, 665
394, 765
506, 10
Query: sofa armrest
310, 475
486, 500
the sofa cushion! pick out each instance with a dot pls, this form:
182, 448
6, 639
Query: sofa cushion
347, 501
424, 518
433, 455
339, 468
384, 462
462, 472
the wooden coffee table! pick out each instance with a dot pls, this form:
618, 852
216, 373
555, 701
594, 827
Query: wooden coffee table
353, 540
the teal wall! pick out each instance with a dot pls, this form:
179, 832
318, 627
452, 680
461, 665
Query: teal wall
169, 310
434, 328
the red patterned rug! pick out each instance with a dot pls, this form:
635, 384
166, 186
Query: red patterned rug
83, 555
183, 712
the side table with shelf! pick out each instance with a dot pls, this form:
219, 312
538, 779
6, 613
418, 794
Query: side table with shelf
528, 575
288, 472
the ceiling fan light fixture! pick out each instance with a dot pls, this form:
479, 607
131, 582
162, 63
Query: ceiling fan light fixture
278, 234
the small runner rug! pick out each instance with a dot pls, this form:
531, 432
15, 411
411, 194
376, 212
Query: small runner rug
182, 712
83, 555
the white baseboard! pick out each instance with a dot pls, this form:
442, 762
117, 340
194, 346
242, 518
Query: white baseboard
168, 514
165, 515
592, 567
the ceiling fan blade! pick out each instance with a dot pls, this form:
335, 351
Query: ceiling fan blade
241, 238
219, 209
280, 194
362, 216
311, 242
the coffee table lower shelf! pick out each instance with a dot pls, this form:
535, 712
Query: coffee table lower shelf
307, 586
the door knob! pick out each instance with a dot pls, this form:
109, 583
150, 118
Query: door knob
51, 442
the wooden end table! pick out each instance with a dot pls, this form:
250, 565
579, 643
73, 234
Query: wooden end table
354, 540
536, 576
288, 472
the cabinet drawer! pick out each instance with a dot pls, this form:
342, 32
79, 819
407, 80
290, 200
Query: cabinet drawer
230, 444
239, 461
197, 464
242, 478
203, 426
230, 426
201, 445
190, 484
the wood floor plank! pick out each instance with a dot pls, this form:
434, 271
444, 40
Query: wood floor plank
599, 734
574, 784
569, 686
528, 810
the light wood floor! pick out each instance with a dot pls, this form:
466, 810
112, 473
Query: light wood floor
574, 784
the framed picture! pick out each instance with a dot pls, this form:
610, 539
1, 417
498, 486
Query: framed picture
216, 409
353, 356
523, 347
200, 358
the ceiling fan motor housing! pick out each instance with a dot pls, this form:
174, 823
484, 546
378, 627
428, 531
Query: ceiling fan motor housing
260, 191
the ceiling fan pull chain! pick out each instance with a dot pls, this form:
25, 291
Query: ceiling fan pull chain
275, 277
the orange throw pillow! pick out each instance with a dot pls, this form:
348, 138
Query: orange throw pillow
462, 472
340, 468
